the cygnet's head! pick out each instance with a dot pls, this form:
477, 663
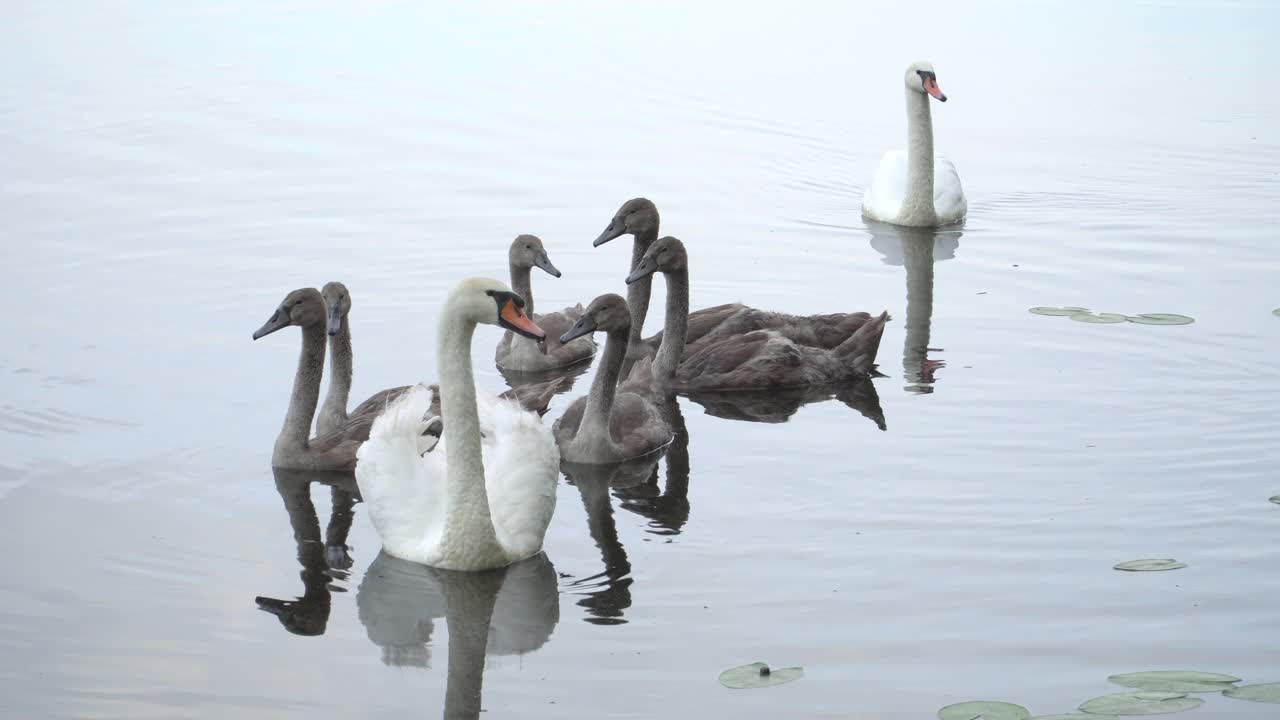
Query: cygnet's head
607, 313
636, 217
337, 303
527, 252
921, 78
664, 255
302, 307
489, 302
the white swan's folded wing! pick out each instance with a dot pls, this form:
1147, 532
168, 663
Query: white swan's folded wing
522, 469
883, 198
403, 490
948, 195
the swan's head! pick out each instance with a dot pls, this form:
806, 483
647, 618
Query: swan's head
303, 307
486, 301
637, 216
664, 255
527, 252
337, 303
922, 79
608, 313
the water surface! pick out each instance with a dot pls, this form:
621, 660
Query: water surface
946, 533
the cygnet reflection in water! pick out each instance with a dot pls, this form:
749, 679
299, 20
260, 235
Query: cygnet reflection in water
567, 375
917, 249
777, 406
507, 611
323, 559
607, 594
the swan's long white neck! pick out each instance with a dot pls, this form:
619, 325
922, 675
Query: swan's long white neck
918, 203
467, 519
306, 390
335, 402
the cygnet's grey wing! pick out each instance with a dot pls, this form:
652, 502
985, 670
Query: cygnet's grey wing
378, 402
757, 359
705, 324
566, 426
637, 426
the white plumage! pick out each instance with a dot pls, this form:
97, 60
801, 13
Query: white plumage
477, 500
883, 201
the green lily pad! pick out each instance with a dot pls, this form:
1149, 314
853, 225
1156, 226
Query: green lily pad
1058, 311
1264, 693
1276, 312
1150, 565
1076, 716
1107, 318
1175, 681
1275, 499
985, 709
1140, 703
1160, 319
758, 675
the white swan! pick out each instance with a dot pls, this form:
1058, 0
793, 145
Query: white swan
474, 502
914, 188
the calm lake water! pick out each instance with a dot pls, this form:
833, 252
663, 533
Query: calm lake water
171, 170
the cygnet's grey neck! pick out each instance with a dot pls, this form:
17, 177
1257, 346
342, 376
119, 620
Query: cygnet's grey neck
675, 326
334, 410
522, 284
638, 292
306, 392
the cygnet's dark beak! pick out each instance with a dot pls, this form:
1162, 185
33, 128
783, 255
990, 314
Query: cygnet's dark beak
279, 319
647, 266
544, 262
585, 326
616, 228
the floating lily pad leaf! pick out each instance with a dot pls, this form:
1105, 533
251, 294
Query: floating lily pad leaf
1266, 693
1176, 681
1108, 318
1140, 703
1276, 312
1076, 716
1058, 311
1275, 499
1160, 319
1150, 565
758, 675
985, 709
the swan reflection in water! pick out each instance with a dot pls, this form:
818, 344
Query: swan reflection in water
917, 249
570, 374
508, 611
323, 559
607, 594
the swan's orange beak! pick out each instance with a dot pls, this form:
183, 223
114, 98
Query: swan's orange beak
931, 86
514, 319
